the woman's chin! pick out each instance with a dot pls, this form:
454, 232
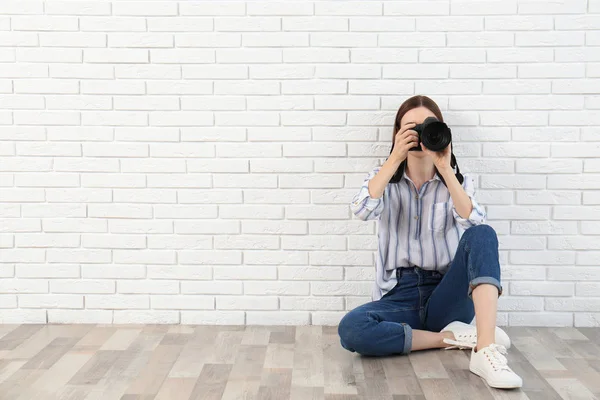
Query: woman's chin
417, 154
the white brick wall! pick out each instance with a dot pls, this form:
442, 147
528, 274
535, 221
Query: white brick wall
193, 161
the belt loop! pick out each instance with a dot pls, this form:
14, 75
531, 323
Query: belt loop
398, 273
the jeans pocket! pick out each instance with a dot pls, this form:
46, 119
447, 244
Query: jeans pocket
390, 292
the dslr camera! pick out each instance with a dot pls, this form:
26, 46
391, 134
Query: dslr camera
434, 134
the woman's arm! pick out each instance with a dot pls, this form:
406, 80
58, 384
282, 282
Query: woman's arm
466, 210
368, 202
379, 182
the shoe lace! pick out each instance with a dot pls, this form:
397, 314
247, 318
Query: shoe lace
462, 341
458, 344
495, 355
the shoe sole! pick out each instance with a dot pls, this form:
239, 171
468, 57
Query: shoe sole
480, 374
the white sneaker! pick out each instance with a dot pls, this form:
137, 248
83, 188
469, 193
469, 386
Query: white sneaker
490, 364
465, 336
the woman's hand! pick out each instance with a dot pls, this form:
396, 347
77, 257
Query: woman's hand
405, 139
441, 159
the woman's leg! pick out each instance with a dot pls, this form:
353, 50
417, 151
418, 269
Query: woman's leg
392, 325
485, 298
474, 276
423, 340
472, 286
379, 328
385, 326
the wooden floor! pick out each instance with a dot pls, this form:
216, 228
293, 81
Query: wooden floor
178, 362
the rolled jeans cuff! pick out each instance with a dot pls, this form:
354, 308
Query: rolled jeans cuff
407, 338
484, 279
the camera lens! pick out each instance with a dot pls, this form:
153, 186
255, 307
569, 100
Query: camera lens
436, 135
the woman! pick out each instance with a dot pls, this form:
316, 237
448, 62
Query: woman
437, 262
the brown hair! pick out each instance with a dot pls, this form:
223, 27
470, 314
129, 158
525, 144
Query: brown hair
409, 104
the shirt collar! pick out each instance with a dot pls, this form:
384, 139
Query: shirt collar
435, 176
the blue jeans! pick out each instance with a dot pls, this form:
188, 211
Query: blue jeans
426, 300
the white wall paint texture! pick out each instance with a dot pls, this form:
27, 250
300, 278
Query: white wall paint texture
193, 162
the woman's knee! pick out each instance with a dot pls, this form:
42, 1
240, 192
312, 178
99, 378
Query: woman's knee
360, 332
354, 331
479, 232
348, 329
479, 237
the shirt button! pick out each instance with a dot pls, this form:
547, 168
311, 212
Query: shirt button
416, 217
417, 197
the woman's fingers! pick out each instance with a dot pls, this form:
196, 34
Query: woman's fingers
411, 143
407, 127
408, 133
406, 138
411, 137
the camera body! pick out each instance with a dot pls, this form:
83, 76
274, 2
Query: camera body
434, 134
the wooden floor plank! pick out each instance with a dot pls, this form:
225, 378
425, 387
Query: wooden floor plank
176, 388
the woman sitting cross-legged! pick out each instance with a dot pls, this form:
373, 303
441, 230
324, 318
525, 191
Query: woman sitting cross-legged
437, 262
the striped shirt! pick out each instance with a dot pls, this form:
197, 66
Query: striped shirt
414, 228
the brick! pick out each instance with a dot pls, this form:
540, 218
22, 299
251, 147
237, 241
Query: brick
312, 303
140, 286
50, 301
245, 272
587, 319
284, 288
514, 303
117, 302
416, 8
249, 55
82, 286
416, 40
316, 55
542, 257
247, 303
185, 302
208, 9
146, 317
144, 8
591, 197
542, 288
541, 319
21, 286
577, 182
521, 181
111, 24
277, 318
548, 197
519, 23
212, 317
573, 7
61, 316
258, 257
318, 23
549, 38
548, 166
278, 8
379, 24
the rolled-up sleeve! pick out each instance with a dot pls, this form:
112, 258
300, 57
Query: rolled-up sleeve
363, 205
478, 215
